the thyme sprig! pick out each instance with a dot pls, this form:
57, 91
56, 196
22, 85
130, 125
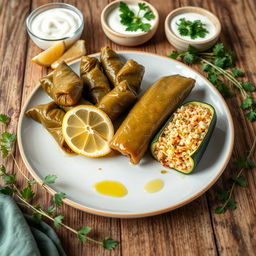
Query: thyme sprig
26, 194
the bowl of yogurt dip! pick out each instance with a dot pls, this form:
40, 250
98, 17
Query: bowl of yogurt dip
130, 34
192, 26
54, 22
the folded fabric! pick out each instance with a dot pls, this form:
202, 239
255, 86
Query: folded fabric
22, 236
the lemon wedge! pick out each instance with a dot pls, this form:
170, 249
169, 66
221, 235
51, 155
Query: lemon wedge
75, 51
47, 57
87, 130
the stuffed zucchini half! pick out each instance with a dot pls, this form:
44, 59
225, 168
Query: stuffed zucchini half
183, 139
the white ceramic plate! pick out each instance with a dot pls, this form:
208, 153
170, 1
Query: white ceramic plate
77, 174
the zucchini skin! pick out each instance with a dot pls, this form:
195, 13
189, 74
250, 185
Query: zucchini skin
196, 156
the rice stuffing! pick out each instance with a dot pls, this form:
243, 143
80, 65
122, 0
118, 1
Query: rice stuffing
182, 136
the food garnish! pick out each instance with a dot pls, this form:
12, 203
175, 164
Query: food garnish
47, 57
88, 130
193, 29
219, 67
134, 22
77, 50
183, 139
24, 195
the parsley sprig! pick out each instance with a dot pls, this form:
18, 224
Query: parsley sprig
193, 29
25, 195
134, 22
225, 196
219, 68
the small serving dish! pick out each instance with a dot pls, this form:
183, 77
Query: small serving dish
44, 42
129, 38
211, 22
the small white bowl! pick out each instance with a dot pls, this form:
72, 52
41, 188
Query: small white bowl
182, 44
127, 39
46, 43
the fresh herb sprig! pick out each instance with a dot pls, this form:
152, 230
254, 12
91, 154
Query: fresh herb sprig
219, 68
193, 29
225, 196
27, 193
134, 22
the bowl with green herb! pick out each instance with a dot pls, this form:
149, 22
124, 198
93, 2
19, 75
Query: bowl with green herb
129, 22
192, 26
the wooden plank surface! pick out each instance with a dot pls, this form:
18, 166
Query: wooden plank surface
191, 230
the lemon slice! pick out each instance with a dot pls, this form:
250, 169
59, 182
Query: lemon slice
75, 51
87, 130
47, 57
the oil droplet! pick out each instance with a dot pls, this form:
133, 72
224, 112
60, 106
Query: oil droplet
154, 186
163, 171
111, 188
99, 169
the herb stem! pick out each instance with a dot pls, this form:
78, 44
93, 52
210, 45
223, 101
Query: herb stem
239, 174
228, 75
17, 166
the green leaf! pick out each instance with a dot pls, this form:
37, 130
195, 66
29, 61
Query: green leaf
4, 118
149, 15
31, 182
109, 243
133, 27
51, 209
188, 58
7, 190
251, 164
247, 103
58, 221
58, 197
251, 115
82, 238
50, 179
27, 193
142, 6
145, 27
4, 151
2, 170
237, 72
240, 162
231, 204
248, 86
222, 195
205, 67
9, 179
219, 62
84, 230
8, 137
241, 181
174, 54
220, 210
218, 49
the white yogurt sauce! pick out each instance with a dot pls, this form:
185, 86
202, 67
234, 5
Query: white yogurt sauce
55, 23
113, 20
192, 17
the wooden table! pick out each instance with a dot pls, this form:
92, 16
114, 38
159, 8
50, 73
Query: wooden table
190, 230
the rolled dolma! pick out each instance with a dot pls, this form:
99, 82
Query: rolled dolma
118, 100
147, 116
67, 86
133, 73
51, 116
95, 82
64, 86
111, 63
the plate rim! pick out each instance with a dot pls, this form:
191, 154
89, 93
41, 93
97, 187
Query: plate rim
127, 215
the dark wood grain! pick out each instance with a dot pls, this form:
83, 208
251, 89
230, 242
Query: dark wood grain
191, 230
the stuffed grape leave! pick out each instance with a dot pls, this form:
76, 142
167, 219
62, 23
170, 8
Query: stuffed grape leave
95, 82
51, 116
149, 113
117, 101
64, 86
133, 73
111, 63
